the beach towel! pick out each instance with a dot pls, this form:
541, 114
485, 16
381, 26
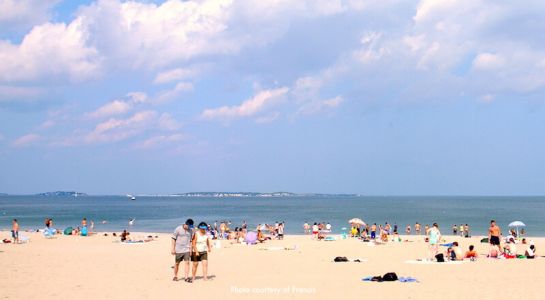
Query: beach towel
330, 238
408, 279
447, 245
49, 232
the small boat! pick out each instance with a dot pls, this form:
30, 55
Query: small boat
131, 197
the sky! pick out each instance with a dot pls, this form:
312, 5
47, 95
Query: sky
429, 97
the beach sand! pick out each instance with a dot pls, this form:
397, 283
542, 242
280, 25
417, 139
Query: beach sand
99, 267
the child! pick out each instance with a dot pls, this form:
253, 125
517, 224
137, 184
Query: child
471, 254
15, 231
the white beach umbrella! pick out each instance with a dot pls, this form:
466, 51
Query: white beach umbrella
517, 224
356, 221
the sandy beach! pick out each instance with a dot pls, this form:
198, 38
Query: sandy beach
100, 267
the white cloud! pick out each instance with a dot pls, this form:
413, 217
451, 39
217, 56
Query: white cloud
161, 140
119, 106
267, 118
23, 14
488, 61
169, 95
167, 122
114, 130
487, 98
174, 75
371, 51
315, 107
49, 50
249, 108
11, 93
26, 140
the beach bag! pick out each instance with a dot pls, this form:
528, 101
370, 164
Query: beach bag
340, 259
390, 277
440, 257
68, 231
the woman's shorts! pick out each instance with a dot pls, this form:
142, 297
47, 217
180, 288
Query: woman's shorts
202, 256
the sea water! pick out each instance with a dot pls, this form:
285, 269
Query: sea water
163, 214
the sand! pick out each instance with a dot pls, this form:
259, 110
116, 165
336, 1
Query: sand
99, 267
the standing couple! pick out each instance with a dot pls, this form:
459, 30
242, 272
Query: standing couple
188, 244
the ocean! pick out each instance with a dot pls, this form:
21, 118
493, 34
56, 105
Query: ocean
163, 214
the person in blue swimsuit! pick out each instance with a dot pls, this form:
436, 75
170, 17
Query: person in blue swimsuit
434, 238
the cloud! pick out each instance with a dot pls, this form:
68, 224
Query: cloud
315, 107
114, 130
487, 98
174, 75
10, 93
249, 108
119, 106
48, 51
167, 122
488, 61
161, 140
267, 118
18, 15
169, 95
26, 140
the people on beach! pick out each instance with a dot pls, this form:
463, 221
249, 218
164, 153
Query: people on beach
15, 231
454, 229
494, 234
83, 231
306, 228
280, 231
181, 248
315, 231
530, 252
434, 238
373, 231
200, 248
408, 229
417, 228
125, 236
457, 251
471, 253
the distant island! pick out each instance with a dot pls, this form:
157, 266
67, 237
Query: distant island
250, 194
62, 194
201, 194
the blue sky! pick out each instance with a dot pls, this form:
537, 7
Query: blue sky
374, 97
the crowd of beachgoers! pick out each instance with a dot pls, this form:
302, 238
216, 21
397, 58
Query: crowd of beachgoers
192, 244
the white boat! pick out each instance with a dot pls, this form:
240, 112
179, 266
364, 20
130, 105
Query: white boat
131, 197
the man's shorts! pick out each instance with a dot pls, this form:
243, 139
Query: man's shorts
14, 234
495, 240
202, 256
182, 256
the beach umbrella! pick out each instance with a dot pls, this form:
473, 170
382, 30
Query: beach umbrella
356, 221
517, 224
